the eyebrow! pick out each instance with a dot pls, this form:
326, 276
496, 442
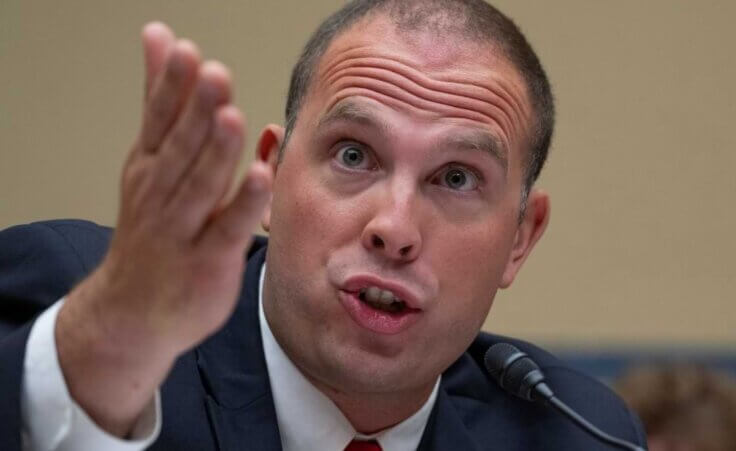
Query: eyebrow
348, 111
479, 141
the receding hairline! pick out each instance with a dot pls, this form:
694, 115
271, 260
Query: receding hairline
491, 47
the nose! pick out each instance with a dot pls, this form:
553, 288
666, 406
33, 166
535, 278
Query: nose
393, 231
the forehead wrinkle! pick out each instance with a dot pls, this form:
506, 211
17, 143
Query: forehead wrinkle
396, 96
401, 63
506, 92
439, 82
438, 94
479, 98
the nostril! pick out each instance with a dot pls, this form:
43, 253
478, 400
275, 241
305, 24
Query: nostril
377, 242
404, 250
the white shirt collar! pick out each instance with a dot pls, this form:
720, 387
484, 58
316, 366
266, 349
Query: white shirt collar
309, 421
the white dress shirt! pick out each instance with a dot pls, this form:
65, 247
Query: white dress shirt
52, 421
307, 419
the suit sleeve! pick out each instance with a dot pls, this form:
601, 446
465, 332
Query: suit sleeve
39, 263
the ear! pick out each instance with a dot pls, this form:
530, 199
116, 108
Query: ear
267, 150
530, 230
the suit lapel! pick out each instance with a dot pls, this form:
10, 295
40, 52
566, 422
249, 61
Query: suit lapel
233, 370
445, 429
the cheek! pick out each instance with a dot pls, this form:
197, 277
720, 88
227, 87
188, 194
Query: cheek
314, 205
470, 266
471, 260
308, 221
299, 210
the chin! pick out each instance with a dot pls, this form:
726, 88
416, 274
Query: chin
363, 370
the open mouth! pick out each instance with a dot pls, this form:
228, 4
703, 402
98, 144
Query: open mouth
380, 299
382, 307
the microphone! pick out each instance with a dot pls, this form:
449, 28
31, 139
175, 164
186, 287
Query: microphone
518, 374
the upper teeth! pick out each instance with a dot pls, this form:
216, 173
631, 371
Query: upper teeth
375, 294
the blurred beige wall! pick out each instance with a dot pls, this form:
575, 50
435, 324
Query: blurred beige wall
640, 248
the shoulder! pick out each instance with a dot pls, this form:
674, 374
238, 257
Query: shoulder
42, 261
468, 376
479, 399
82, 242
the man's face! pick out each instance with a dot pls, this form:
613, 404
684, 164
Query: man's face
400, 185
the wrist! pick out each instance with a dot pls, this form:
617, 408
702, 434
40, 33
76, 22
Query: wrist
111, 372
123, 320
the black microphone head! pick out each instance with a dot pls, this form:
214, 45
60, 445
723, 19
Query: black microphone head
498, 357
514, 371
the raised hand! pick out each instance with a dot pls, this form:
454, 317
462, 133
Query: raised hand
173, 271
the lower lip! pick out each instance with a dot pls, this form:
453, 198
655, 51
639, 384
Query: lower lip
377, 320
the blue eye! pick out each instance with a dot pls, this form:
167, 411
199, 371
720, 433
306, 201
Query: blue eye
353, 157
458, 179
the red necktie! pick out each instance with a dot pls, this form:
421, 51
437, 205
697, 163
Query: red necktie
361, 445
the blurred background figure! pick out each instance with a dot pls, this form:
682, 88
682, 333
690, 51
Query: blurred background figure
683, 407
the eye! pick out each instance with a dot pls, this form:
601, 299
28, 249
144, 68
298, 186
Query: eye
353, 157
458, 179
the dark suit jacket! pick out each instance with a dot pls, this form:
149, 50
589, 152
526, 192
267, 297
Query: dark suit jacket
218, 396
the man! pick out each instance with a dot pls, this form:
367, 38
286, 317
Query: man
401, 201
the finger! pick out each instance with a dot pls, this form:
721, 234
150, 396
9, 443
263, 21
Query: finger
158, 39
170, 91
186, 139
235, 224
210, 176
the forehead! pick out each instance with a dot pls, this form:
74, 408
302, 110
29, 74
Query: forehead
427, 73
